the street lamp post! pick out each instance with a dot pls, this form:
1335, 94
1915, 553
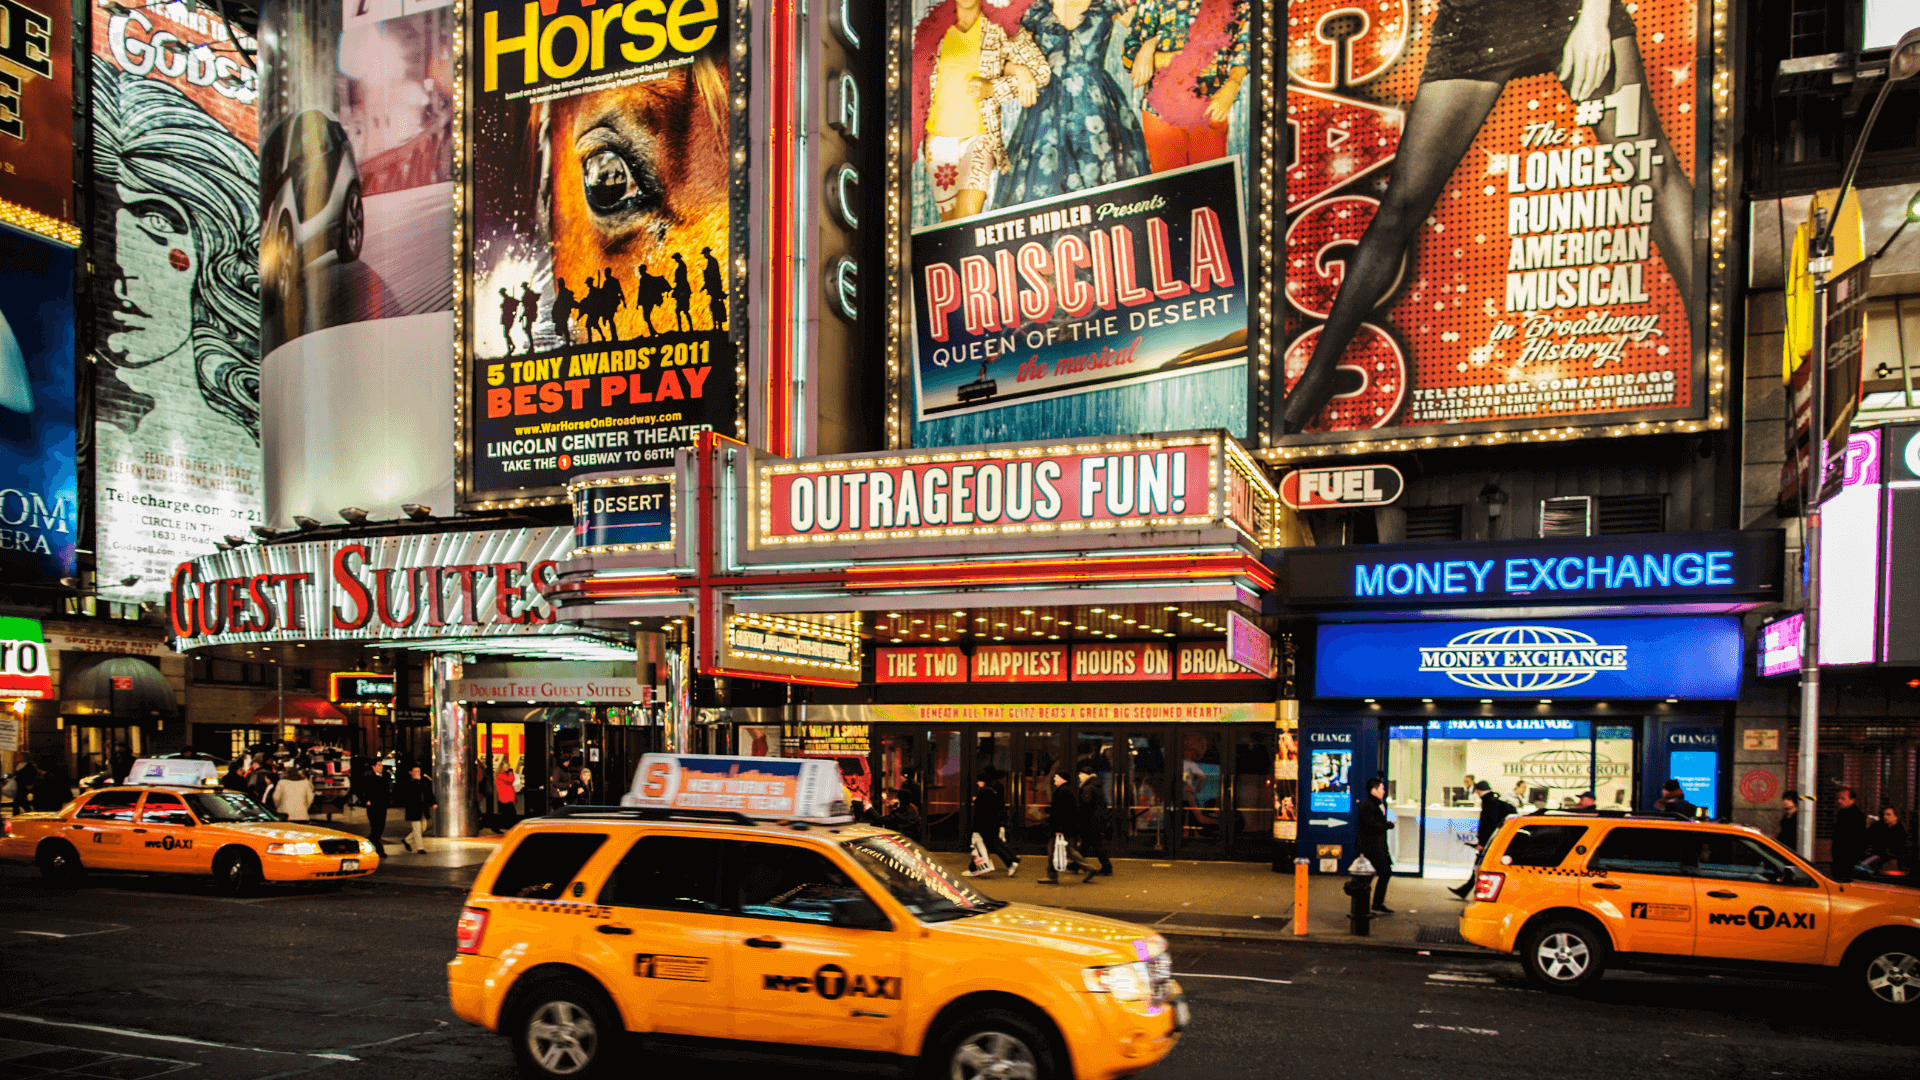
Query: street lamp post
1902, 64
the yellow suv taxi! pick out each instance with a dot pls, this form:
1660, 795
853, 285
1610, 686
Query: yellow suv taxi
182, 830
711, 924
1574, 892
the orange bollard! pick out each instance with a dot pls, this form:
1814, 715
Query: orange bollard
1300, 897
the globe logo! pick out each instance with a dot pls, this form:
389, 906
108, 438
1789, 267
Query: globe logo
1523, 659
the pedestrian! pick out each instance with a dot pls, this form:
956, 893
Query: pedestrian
899, 812
1493, 811
293, 796
560, 783
1586, 801
122, 764
1093, 822
1789, 831
506, 788
51, 791
1887, 842
990, 824
375, 789
1673, 800
1063, 822
24, 779
1371, 841
414, 793
1849, 835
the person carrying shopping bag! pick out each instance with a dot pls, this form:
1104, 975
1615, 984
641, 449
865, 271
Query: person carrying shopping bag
990, 826
414, 794
1063, 821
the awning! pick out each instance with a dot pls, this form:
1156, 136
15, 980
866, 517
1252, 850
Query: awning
119, 686
298, 709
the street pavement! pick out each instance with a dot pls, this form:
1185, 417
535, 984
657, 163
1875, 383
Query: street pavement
128, 978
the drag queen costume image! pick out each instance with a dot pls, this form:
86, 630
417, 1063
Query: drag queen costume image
1478, 46
1082, 130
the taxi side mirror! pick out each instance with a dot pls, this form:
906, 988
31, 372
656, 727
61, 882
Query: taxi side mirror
857, 913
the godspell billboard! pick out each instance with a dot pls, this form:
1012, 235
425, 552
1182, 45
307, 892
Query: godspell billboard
176, 292
1490, 217
600, 322
1079, 207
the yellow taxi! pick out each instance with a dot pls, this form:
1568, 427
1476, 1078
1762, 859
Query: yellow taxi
690, 920
1574, 892
181, 829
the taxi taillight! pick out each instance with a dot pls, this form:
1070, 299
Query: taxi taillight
472, 926
1486, 886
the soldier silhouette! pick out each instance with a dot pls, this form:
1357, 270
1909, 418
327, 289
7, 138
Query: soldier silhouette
682, 295
508, 308
716, 289
563, 305
529, 310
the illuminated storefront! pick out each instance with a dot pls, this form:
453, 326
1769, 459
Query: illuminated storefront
1545, 668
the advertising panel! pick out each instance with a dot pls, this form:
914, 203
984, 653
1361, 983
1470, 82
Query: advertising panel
793, 649
1249, 646
1333, 489
1689, 658
1020, 663
938, 664
1747, 563
26, 671
1208, 661
356, 209
39, 510
1490, 216
620, 514
176, 290
423, 587
598, 329
36, 117
1077, 190
1782, 645
1850, 561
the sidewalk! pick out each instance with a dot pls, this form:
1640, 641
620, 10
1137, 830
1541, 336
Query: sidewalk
1194, 899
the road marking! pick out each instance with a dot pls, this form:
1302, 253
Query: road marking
1460, 977
182, 1039
1462, 1030
1242, 978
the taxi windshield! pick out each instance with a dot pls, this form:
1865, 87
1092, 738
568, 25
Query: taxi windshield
227, 806
921, 885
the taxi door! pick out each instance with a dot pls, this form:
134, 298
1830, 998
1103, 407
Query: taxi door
797, 978
102, 830
1755, 904
164, 840
1636, 882
660, 942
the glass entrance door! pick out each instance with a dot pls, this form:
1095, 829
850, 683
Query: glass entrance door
1406, 780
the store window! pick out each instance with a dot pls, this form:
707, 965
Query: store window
1533, 763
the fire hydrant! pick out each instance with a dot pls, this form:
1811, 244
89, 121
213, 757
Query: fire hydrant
1358, 888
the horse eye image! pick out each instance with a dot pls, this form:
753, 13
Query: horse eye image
610, 183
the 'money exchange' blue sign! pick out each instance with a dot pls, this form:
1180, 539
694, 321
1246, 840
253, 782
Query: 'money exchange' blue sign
1731, 564
1694, 658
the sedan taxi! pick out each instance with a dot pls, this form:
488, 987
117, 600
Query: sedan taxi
182, 830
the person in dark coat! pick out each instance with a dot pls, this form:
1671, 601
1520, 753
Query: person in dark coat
1789, 831
122, 764
375, 789
1493, 811
1093, 821
23, 781
51, 791
414, 794
899, 813
990, 819
1673, 800
1849, 835
1887, 842
1372, 841
1063, 820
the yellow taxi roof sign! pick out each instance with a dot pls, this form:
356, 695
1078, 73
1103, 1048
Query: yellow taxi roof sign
172, 772
795, 789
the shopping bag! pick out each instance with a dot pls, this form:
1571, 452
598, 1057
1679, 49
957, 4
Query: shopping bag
1059, 852
982, 862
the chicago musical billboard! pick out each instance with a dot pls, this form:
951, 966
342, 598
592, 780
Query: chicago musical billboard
598, 329
1491, 216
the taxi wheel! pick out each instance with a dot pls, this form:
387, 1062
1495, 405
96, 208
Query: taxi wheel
237, 873
994, 1045
564, 1030
60, 865
1888, 971
1565, 955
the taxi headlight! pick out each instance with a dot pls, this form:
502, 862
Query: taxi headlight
302, 848
1126, 982
366, 847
